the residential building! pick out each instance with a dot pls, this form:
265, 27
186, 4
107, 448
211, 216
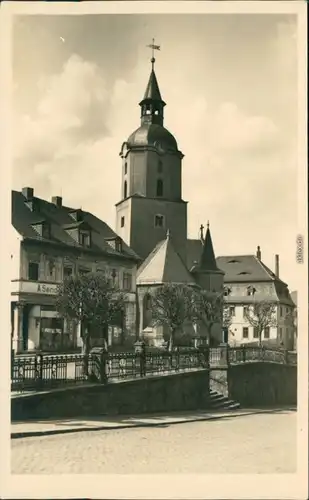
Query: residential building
49, 242
295, 318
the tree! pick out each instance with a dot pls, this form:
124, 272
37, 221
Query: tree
261, 315
91, 300
208, 309
172, 307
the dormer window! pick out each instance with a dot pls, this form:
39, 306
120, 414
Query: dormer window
115, 243
226, 291
32, 205
42, 229
77, 215
84, 238
251, 290
233, 261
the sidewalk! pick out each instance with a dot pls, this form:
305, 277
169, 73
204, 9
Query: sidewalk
61, 426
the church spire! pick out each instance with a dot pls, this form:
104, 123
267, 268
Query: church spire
152, 104
208, 260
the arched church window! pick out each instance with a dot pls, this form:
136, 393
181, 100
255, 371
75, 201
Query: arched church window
125, 189
159, 187
125, 168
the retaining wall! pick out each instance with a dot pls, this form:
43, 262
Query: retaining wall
263, 384
173, 392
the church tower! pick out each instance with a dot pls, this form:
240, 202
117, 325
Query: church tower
151, 199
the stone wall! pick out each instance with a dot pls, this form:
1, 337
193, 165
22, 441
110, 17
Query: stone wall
174, 392
263, 384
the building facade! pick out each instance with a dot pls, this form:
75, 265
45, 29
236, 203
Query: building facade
49, 242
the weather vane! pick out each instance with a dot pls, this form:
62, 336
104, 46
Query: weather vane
153, 47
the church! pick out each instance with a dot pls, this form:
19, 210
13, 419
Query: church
151, 218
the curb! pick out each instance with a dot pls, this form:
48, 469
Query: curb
228, 414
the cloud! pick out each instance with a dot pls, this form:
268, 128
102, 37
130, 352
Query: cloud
69, 145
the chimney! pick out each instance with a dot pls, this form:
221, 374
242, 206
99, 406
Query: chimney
258, 253
27, 192
57, 201
277, 265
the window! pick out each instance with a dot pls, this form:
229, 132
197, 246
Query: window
160, 166
280, 333
125, 189
266, 332
122, 222
250, 290
232, 310
159, 187
114, 276
84, 238
83, 271
46, 230
255, 333
159, 221
51, 267
245, 332
245, 311
67, 271
287, 310
33, 271
127, 281
227, 291
125, 168
281, 312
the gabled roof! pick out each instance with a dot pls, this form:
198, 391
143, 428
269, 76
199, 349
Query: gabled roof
164, 265
60, 222
245, 268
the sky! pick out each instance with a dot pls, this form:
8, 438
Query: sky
230, 84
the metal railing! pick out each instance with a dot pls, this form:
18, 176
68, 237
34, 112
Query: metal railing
45, 371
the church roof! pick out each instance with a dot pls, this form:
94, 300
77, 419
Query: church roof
151, 134
164, 265
152, 90
207, 260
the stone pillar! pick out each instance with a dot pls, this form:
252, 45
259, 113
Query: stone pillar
18, 341
141, 313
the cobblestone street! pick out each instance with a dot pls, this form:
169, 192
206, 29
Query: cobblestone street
257, 443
